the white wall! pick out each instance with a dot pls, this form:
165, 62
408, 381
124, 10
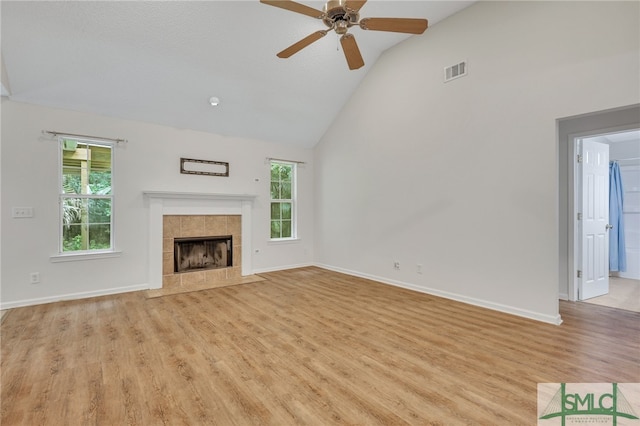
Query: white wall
150, 161
461, 177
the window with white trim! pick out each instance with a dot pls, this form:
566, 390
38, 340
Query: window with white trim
283, 200
85, 196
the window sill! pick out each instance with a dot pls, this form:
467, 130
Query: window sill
285, 241
73, 257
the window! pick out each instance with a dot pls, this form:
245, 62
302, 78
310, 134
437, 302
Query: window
283, 207
86, 196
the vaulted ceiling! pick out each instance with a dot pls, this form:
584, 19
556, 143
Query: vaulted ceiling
161, 62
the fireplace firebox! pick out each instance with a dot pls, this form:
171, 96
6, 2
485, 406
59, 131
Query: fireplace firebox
196, 253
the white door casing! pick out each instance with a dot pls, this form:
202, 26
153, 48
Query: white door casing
594, 225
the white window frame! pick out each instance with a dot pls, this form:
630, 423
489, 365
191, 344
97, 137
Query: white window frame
89, 253
293, 201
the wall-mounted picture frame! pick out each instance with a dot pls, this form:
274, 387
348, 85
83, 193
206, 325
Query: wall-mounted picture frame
192, 166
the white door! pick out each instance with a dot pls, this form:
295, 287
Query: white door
595, 220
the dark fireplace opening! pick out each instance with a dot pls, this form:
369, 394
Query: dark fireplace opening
202, 253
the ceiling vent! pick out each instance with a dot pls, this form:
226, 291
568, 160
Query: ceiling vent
455, 71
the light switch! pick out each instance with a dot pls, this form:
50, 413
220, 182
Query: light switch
22, 212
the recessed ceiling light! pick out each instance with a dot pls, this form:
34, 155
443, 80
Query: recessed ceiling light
214, 101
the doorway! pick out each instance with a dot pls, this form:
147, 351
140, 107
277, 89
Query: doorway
568, 128
604, 277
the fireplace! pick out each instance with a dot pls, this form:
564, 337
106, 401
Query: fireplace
191, 214
191, 254
200, 249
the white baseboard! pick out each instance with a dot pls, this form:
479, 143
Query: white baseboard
282, 268
110, 291
563, 296
556, 320
72, 296
447, 295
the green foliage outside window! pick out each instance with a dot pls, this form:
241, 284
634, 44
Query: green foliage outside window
282, 188
86, 196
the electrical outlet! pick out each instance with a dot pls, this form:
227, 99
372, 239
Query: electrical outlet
419, 268
34, 277
396, 265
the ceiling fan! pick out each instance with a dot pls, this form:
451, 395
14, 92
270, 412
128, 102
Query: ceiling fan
340, 15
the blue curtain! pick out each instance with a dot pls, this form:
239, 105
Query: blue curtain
617, 253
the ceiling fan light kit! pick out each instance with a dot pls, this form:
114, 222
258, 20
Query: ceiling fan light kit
339, 16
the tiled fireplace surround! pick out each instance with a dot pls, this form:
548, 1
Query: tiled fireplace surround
197, 214
182, 226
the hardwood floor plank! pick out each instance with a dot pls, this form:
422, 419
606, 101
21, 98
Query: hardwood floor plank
305, 346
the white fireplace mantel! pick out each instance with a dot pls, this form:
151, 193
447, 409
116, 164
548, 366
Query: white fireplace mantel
194, 203
197, 195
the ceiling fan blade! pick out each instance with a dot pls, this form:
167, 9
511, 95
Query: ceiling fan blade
397, 25
295, 7
351, 51
296, 47
354, 5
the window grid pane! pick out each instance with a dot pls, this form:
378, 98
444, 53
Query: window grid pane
285, 211
275, 191
275, 229
286, 229
275, 211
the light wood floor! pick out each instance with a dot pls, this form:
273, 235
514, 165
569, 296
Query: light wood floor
306, 346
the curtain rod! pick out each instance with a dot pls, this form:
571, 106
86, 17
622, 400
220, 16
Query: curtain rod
627, 159
288, 161
51, 132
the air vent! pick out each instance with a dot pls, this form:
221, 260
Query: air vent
455, 71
